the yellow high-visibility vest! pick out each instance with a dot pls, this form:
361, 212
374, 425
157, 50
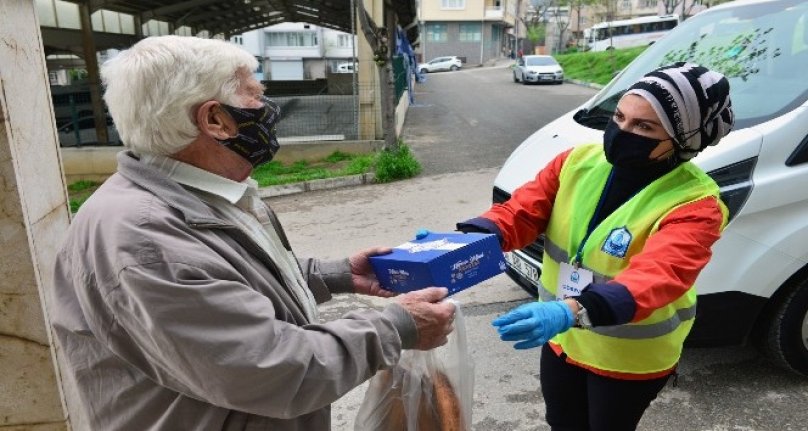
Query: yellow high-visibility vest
655, 343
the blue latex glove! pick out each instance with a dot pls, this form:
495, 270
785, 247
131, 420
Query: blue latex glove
421, 233
534, 324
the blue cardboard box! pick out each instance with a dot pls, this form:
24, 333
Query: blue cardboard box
456, 261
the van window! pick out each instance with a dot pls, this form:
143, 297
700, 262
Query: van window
761, 48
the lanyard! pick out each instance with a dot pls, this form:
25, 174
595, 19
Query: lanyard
578, 255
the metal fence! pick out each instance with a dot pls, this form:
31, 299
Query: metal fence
326, 107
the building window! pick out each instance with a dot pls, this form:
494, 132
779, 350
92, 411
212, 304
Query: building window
292, 38
344, 41
626, 4
470, 32
452, 4
648, 3
437, 33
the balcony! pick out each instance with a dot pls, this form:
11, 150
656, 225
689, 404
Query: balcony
293, 51
494, 12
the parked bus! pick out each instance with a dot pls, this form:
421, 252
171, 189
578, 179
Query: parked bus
629, 32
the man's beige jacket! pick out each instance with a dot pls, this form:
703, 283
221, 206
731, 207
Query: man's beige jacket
170, 318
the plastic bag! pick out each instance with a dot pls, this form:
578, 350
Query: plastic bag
426, 391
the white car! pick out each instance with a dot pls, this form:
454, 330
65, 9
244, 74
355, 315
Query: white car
538, 68
441, 63
344, 68
86, 133
755, 288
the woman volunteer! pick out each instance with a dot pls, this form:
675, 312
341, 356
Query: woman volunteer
628, 227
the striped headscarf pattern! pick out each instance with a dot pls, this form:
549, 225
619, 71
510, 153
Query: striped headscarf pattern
692, 103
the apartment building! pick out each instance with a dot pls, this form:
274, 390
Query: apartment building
475, 30
297, 51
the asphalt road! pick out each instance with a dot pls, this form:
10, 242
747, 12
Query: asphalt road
719, 389
475, 118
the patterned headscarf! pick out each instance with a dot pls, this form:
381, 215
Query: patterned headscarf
692, 103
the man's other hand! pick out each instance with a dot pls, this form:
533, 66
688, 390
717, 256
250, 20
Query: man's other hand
364, 280
433, 319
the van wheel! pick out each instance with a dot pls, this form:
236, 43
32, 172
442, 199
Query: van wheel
454, 68
515, 79
785, 338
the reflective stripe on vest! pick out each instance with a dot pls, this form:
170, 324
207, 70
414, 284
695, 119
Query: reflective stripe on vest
653, 344
620, 331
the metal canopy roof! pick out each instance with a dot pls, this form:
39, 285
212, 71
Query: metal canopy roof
231, 17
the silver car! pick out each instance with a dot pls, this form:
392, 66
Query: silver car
86, 133
538, 68
441, 63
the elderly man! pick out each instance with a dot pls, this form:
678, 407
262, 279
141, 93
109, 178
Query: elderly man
178, 303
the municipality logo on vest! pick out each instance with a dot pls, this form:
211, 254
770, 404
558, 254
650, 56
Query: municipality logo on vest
617, 242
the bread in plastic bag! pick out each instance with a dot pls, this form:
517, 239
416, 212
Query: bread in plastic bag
426, 391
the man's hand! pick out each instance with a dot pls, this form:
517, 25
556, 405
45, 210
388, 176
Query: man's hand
433, 319
364, 280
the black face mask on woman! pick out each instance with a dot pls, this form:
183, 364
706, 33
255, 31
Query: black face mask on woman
627, 150
256, 140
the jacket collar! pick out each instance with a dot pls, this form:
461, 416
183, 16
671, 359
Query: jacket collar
194, 211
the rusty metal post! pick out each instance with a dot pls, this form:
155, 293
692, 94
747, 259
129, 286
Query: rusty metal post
91, 61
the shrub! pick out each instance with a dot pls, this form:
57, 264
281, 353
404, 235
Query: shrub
397, 164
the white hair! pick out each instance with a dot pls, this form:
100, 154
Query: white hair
152, 88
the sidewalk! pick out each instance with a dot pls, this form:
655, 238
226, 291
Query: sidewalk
315, 185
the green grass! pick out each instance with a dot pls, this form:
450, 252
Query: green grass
597, 67
396, 164
335, 165
80, 191
338, 164
389, 166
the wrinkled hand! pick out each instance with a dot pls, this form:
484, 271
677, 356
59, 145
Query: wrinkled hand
364, 280
433, 319
534, 324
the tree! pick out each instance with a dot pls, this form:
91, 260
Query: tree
382, 42
577, 6
536, 22
562, 23
536, 33
680, 7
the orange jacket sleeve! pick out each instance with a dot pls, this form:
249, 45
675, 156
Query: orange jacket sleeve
525, 215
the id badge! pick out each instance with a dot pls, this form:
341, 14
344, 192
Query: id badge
572, 280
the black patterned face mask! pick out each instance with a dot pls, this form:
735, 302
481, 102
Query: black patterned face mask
627, 150
256, 140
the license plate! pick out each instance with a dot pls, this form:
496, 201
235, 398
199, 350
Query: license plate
523, 267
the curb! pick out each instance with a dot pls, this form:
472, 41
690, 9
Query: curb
584, 83
315, 185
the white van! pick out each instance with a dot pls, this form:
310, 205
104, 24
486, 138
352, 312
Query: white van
756, 286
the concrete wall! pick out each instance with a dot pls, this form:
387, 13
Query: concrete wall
472, 10
33, 220
98, 163
401, 111
431, 10
470, 51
